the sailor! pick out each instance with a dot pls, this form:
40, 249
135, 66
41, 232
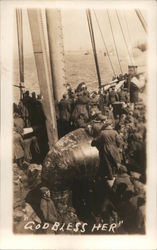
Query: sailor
134, 90
101, 101
18, 147
107, 143
15, 108
34, 96
113, 97
117, 120
123, 177
27, 99
65, 111
80, 122
123, 96
80, 87
81, 107
110, 113
39, 98
47, 206
106, 98
134, 83
97, 124
18, 123
94, 102
24, 113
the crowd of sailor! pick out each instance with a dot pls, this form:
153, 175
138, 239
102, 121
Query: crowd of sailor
121, 113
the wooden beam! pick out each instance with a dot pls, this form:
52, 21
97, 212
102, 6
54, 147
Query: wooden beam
56, 47
43, 72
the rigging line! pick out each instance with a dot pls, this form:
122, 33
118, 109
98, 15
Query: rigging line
20, 41
93, 44
114, 41
140, 18
20, 47
22, 61
126, 23
96, 59
19, 29
104, 43
90, 31
124, 37
129, 36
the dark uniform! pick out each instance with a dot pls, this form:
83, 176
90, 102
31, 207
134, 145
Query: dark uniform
80, 122
106, 98
81, 108
107, 143
134, 91
98, 124
94, 103
123, 96
101, 103
47, 206
113, 97
65, 113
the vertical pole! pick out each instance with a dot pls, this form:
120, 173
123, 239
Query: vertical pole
44, 76
55, 39
90, 26
20, 48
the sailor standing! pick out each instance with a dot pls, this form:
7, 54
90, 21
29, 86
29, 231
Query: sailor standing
107, 143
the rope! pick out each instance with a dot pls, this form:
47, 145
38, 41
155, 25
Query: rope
130, 39
114, 41
104, 43
124, 38
20, 46
94, 47
90, 26
144, 21
141, 20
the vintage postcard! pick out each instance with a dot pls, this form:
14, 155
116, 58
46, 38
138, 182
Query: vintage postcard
78, 125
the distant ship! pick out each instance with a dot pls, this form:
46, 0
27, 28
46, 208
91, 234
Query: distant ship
86, 53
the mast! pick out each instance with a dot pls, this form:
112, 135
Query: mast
44, 76
20, 48
56, 48
90, 26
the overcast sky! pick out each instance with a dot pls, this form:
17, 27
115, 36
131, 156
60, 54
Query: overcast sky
76, 33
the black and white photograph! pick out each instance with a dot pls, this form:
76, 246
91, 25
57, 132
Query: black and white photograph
79, 121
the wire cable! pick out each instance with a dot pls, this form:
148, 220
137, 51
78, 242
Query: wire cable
114, 41
90, 26
20, 47
141, 20
126, 44
104, 43
144, 21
